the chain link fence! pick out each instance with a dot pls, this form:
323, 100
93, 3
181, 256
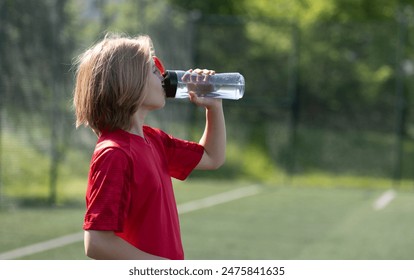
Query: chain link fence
332, 98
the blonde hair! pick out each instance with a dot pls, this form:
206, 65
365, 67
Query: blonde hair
110, 79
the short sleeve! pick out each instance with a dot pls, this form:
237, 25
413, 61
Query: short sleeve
182, 156
184, 159
107, 193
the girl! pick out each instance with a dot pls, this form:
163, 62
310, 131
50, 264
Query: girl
131, 210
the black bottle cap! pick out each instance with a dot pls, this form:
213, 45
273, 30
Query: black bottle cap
170, 83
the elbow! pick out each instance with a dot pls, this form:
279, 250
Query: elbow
89, 250
220, 163
93, 254
217, 163
211, 161
91, 246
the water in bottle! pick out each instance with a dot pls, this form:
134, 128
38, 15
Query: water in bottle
178, 84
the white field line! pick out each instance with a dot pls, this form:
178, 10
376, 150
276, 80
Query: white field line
182, 209
218, 199
42, 246
384, 200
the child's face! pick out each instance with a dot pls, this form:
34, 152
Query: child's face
154, 92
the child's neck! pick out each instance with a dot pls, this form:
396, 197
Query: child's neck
137, 131
138, 124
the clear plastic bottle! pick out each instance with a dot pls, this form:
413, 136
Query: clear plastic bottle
178, 83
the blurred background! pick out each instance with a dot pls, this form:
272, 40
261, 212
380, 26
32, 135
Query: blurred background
328, 102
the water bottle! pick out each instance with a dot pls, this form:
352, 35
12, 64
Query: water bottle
178, 83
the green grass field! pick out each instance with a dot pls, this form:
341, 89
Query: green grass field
278, 222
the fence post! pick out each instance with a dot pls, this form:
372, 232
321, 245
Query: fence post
2, 96
55, 107
195, 19
1, 135
293, 93
401, 104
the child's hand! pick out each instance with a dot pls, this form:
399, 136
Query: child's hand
208, 103
201, 77
200, 83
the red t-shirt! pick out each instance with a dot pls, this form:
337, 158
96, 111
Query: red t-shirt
130, 189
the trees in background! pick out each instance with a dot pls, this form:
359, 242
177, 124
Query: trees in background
340, 52
341, 62
36, 45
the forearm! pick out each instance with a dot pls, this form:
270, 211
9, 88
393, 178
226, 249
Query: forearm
214, 137
106, 245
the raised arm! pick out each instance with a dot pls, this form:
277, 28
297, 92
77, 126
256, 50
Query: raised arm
214, 136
